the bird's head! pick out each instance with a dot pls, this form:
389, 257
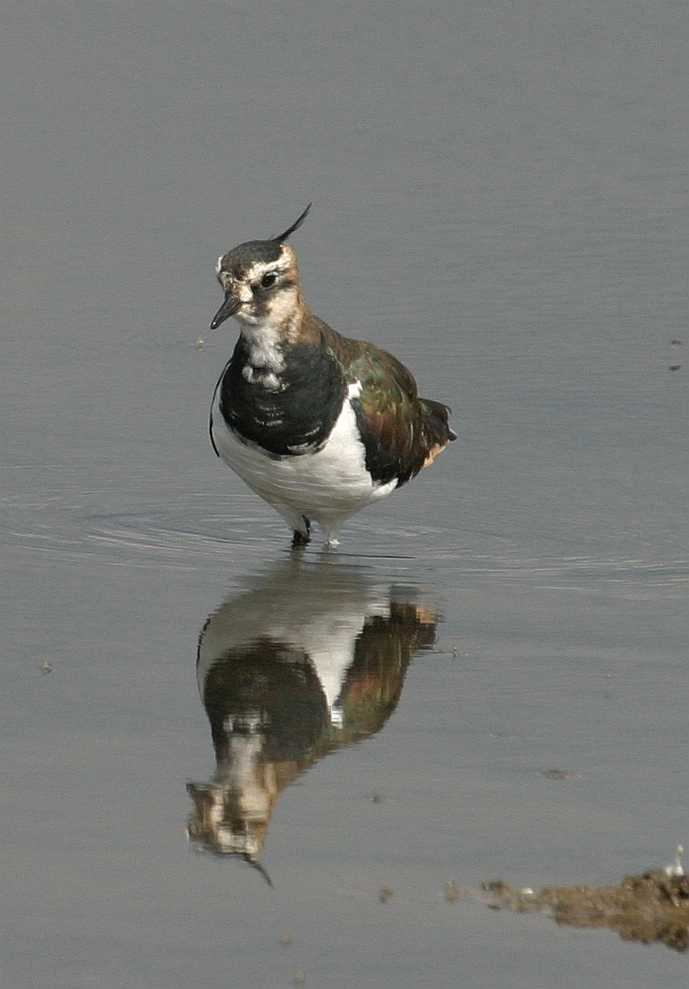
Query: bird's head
260, 280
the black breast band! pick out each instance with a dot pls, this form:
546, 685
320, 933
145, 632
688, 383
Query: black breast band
291, 420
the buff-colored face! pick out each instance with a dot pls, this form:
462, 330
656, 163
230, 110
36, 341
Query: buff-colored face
261, 284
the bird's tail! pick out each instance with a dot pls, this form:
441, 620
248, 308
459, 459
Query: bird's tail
437, 428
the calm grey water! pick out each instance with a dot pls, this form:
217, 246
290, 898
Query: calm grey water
500, 197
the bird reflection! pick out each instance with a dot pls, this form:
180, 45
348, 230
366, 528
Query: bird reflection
310, 659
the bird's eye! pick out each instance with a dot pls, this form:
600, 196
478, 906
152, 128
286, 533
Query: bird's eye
269, 279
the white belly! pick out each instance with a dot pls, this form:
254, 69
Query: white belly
327, 486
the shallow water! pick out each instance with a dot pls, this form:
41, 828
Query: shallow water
500, 200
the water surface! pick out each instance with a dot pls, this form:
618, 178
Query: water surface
499, 198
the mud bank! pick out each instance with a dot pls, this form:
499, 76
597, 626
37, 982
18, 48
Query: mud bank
647, 908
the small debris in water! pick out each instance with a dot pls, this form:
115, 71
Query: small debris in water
285, 939
385, 893
200, 343
677, 342
676, 868
299, 978
46, 667
557, 774
376, 797
452, 893
675, 367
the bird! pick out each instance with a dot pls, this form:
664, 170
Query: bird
317, 424
285, 685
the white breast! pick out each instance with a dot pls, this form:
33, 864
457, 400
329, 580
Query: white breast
327, 486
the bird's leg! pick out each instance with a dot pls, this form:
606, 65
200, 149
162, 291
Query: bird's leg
331, 540
300, 538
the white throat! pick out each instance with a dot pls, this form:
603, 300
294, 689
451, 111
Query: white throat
265, 346
266, 336
266, 360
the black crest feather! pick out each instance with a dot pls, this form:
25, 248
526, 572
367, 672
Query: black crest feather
295, 226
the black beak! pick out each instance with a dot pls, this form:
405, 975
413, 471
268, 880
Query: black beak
227, 309
255, 864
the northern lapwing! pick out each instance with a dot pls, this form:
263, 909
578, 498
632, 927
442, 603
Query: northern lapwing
316, 424
285, 684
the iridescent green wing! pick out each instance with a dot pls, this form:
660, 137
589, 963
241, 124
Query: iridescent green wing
399, 430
